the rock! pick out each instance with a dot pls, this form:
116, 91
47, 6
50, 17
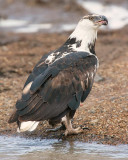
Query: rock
94, 121
92, 111
4, 48
98, 78
7, 39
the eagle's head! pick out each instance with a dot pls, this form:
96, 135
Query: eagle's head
86, 31
93, 21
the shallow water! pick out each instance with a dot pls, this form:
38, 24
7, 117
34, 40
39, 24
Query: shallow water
17, 148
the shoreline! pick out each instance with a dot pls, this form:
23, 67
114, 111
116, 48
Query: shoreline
104, 113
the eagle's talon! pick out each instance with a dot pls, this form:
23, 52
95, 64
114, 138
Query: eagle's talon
62, 127
73, 131
85, 128
61, 136
82, 127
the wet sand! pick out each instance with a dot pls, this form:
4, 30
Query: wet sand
105, 112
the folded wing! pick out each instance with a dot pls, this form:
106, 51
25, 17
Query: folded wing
59, 88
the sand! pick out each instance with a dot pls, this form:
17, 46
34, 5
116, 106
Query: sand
105, 112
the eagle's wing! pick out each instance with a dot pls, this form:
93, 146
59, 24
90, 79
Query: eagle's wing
62, 85
40, 67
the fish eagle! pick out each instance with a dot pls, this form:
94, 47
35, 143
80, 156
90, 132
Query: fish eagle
61, 80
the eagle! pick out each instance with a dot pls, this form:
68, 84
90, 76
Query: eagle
61, 80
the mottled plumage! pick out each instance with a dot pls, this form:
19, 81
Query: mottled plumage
60, 81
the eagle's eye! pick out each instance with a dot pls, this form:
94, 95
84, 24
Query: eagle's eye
91, 18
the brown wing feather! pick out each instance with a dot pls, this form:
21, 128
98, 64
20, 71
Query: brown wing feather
64, 89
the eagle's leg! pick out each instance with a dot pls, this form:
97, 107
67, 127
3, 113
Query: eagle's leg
62, 127
69, 129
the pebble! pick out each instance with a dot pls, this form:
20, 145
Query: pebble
4, 48
94, 121
98, 78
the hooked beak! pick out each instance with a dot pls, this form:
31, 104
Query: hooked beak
102, 20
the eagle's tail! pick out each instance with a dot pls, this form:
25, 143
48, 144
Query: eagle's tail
23, 126
27, 126
14, 117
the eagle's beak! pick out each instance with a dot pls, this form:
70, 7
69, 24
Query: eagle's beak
102, 20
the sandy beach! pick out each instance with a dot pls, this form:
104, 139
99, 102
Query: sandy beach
105, 112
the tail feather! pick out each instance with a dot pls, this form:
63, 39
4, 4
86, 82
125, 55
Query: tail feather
27, 126
23, 126
13, 118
